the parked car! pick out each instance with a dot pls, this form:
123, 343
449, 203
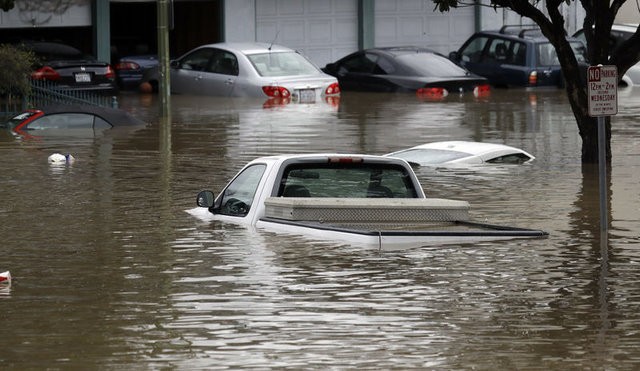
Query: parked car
130, 69
248, 70
515, 56
404, 69
69, 117
70, 69
462, 153
619, 34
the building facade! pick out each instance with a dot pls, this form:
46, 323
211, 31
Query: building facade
324, 30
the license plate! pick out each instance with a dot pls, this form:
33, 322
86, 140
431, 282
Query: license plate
83, 77
307, 95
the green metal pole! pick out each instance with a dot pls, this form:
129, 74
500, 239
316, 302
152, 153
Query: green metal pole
164, 87
366, 24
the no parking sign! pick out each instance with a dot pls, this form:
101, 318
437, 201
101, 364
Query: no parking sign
602, 90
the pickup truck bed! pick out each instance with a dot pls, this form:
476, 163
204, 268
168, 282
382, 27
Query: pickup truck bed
384, 223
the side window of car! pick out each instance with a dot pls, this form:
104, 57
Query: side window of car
361, 63
499, 51
197, 61
384, 67
223, 62
100, 123
63, 121
473, 51
518, 54
44, 122
512, 158
547, 55
238, 196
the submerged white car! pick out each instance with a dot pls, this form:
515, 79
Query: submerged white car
256, 70
462, 153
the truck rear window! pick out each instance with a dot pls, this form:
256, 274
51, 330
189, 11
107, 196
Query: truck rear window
356, 180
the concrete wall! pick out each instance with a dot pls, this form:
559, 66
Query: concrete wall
239, 20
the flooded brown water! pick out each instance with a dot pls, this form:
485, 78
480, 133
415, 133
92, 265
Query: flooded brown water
110, 272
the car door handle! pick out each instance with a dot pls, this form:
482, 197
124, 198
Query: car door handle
198, 77
229, 82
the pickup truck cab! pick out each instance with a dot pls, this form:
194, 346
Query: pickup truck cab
360, 199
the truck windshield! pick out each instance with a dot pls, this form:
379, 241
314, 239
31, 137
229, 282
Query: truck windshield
355, 180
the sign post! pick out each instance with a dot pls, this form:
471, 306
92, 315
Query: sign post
602, 90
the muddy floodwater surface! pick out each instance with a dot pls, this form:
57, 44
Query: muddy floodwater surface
111, 272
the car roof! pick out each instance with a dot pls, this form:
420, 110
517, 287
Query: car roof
531, 33
114, 116
249, 48
401, 50
47, 47
472, 148
323, 157
623, 27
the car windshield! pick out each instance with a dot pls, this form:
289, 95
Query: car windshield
547, 54
282, 64
46, 51
18, 119
429, 155
430, 65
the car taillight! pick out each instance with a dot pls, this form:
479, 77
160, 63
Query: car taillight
481, 90
276, 91
533, 78
45, 73
333, 89
432, 92
126, 66
110, 74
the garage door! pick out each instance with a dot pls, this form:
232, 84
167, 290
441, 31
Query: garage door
323, 30
414, 22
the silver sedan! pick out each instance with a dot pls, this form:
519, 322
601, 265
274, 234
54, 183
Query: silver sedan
248, 70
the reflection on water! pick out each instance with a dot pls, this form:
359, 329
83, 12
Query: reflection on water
109, 269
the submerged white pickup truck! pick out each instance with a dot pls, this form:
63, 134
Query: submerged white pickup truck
371, 201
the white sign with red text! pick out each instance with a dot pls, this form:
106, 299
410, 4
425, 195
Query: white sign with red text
602, 90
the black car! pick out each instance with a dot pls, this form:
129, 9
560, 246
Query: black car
404, 69
515, 56
70, 69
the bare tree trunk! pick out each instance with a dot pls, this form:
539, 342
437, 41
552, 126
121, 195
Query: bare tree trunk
589, 133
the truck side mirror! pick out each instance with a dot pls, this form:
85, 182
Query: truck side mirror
205, 199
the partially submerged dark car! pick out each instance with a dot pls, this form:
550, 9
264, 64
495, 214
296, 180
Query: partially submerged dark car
404, 69
70, 69
65, 119
515, 56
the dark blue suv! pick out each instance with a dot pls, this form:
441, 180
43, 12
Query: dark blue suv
515, 56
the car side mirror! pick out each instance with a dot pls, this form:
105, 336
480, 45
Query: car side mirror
454, 56
205, 199
174, 64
